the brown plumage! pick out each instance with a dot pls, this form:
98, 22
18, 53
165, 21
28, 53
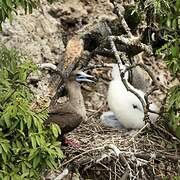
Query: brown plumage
70, 114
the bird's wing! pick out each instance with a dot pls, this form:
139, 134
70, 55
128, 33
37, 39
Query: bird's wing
61, 108
135, 102
65, 116
67, 121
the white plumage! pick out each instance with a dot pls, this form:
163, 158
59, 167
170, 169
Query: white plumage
110, 120
124, 104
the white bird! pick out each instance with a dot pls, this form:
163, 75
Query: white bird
125, 105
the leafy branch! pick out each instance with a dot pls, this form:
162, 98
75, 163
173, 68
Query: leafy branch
165, 14
26, 146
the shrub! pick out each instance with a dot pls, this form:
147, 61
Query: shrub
26, 146
173, 109
166, 14
169, 18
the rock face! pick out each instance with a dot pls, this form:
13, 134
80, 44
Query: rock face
44, 33
36, 35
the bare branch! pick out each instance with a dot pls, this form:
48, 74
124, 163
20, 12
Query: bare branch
133, 42
121, 18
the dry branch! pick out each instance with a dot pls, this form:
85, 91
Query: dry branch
121, 18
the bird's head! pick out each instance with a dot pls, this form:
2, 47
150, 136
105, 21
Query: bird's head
81, 76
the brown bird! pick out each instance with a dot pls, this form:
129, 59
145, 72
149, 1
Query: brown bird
70, 114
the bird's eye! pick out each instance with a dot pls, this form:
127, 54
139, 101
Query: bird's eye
78, 74
134, 106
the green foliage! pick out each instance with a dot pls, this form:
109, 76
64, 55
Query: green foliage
172, 54
166, 15
168, 12
26, 146
176, 178
173, 109
8, 7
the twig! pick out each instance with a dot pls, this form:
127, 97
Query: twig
48, 66
132, 42
141, 65
132, 138
121, 18
79, 155
108, 169
115, 149
125, 175
157, 156
156, 87
62, 175
96, 67
135, 93
166, 132
114, 49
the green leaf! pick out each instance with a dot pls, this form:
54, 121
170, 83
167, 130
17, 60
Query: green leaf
36, 161
6, 178
7, 120
16, 177
18, 144
48, 162
30, 8
24, 168
55, 130
22, 125
21, 132
33, 153
24, 141
5, 147
33, 141
9, 3
28, 164
1, 150
29, 122
25, 175
13, 126
38, 140
174, 51
9, 15
4, 156
52, 160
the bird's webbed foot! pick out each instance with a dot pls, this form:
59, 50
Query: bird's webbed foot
71, 142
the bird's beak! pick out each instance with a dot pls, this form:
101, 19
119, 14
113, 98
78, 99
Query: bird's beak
83, 77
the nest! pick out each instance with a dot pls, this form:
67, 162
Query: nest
108, 153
